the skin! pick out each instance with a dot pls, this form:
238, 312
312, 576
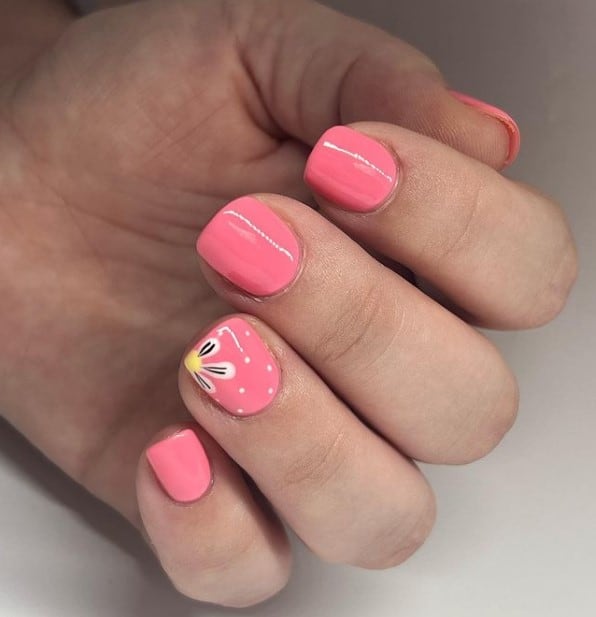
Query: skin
122, 134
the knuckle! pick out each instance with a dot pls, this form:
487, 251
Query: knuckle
498, 417
319, 466
462, 228
224, 557
195, 570
400, 539
355, 325
385, 541
480, 426
553, 296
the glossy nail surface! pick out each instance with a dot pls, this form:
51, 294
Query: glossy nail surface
233, 365
247, 243
351, 170
503, 117
181, 466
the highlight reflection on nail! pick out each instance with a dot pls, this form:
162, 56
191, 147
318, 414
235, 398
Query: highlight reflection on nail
233, 365
247, 243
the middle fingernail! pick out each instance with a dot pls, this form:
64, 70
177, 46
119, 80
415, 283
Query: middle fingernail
247, 243
351, 170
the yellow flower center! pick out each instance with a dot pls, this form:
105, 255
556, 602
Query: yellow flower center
193, 362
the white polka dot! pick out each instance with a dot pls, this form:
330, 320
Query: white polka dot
247, 333
239, 410
270, 391
247, 360
242, 390
269, 367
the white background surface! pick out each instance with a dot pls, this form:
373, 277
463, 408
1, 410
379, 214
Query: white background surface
516, 534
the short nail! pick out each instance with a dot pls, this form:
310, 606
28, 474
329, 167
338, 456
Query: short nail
181, 466
351, 170
247, 243
233, 365
503, 117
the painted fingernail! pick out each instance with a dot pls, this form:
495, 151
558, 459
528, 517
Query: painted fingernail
181, 466
351, 170
234, 366
503, 117
247, 243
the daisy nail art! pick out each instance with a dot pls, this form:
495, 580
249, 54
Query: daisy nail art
234, 366
205, 372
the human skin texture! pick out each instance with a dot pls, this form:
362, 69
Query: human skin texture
122, 135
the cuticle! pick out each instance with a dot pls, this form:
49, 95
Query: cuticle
399, 171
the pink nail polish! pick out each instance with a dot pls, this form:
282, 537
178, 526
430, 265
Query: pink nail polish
351, 170
494, 112
247, 243
234, 366
181, 466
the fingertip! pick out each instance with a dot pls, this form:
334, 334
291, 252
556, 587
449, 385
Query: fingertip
214, 541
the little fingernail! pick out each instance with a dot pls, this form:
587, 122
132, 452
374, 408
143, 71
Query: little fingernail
233, 365
351, 170
247, 243
498, 114
181, 466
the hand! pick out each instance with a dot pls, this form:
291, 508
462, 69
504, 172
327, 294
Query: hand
121, 141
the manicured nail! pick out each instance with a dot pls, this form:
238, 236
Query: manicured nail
234, 366
181, 466
247, 243
351, 170
503, 117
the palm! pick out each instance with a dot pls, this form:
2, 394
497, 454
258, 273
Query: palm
131, 153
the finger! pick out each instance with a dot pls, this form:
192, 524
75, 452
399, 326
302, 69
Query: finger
429, 382
348, 494
212, 539
500, 251
315, 68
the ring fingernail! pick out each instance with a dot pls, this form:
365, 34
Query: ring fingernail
498, 114
181, 466
233, 365
351, 170
247, 243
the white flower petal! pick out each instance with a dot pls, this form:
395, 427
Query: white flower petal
209, 348
219, 370
205, 383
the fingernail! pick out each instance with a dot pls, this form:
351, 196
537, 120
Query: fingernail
247, 243
181, 466
503, 117
351, 170
233, 365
